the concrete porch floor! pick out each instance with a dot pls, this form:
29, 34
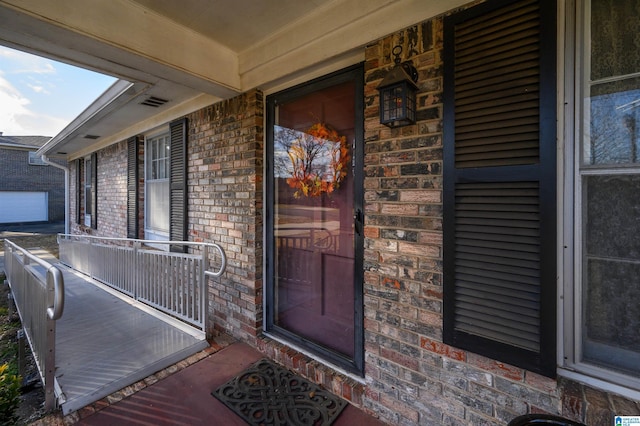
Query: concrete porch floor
184, 398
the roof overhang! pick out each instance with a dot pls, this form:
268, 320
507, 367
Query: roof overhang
123, 110
194, 51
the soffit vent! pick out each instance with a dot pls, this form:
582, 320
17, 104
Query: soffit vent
91, 136
152, 101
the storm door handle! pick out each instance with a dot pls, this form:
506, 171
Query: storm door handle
358, 220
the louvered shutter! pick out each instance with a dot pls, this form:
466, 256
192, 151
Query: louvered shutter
132, 188
178, 184
499, 182
79, 191
94, 190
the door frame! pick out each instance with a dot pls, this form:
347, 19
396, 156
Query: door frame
354, 74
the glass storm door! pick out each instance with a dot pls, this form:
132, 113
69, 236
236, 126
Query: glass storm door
314, 215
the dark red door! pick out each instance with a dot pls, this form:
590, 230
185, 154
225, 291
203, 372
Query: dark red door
314, 287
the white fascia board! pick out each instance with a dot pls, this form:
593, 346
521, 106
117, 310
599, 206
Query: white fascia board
163, 118
342, 26
116, 95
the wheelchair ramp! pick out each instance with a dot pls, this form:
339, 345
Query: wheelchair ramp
106, 341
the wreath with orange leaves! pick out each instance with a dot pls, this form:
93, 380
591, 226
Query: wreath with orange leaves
309, 178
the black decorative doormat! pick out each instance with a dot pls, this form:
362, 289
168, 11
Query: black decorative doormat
267, 394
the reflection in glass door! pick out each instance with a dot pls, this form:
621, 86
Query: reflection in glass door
314, 295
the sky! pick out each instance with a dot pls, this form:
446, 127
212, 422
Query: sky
40, 97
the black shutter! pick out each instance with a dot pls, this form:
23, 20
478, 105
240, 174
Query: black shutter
132, 187
94, 190
79, 191
178, 184
499, 182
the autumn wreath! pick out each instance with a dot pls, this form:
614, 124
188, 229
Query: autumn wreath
320, 160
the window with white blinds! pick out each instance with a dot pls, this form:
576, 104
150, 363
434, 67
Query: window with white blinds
157, 187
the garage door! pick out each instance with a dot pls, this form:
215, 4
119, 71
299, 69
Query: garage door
23, 207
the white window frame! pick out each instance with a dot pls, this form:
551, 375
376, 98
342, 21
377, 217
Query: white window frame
150, 233
575, 60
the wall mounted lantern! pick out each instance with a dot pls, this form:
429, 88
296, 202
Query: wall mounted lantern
398, 93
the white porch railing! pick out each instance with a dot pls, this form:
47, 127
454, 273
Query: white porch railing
38, 293
174, 283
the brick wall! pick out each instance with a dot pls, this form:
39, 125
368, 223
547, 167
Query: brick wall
411, 376
112, 194
112, 191
16, 174
225, 207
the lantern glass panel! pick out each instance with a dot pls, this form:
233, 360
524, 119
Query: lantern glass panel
397, 105
393, 105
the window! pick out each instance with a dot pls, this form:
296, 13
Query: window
499, 182
89, 191
157, 168
165, 185
36, 160
606, 282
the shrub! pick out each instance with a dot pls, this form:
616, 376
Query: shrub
9, 394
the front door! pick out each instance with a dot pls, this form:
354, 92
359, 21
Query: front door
314, 217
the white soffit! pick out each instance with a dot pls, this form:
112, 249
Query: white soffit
221, 47
120, 37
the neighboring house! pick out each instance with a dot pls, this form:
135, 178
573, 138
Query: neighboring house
30, 189
479, 264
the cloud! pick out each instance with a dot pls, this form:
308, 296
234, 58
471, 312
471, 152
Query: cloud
40, 86
39, 89
17, 119
17, 62
39, 96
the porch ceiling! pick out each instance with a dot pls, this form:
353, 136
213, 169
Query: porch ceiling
245, 23
216, 47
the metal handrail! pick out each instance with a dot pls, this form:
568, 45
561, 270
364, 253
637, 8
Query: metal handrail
38, 309
223, 256
173, 283
54, 277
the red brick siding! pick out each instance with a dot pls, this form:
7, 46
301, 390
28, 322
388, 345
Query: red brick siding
225, 207
403, 248
112, 194
112, 191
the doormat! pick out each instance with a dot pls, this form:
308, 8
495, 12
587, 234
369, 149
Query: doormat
267, 394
